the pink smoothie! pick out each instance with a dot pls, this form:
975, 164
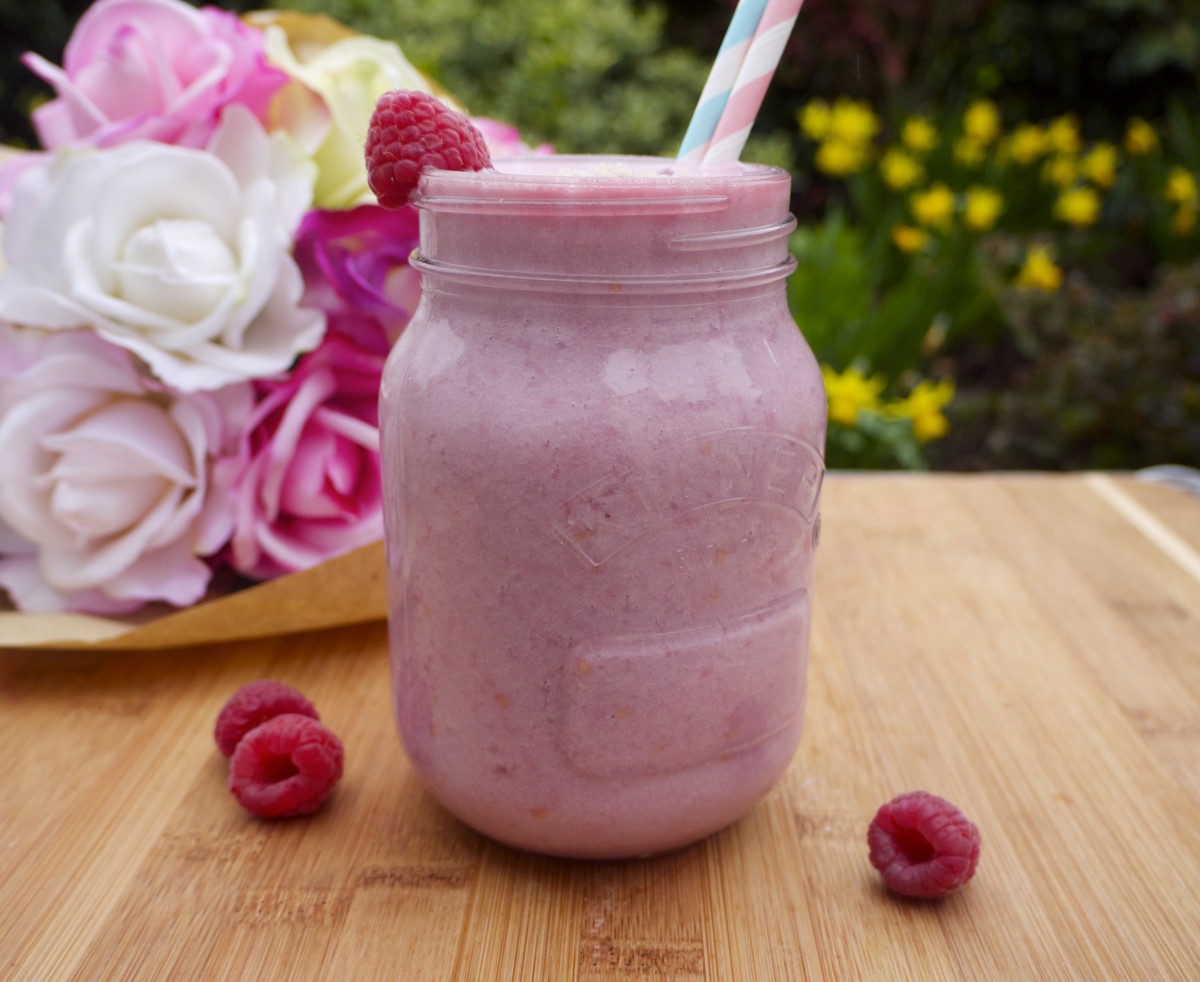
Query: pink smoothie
602, 444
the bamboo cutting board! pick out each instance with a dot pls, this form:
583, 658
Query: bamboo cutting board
1028, 647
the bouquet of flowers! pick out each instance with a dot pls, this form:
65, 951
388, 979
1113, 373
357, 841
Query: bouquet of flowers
198, 296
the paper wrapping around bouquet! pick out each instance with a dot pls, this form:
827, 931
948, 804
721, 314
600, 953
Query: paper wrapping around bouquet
350, 589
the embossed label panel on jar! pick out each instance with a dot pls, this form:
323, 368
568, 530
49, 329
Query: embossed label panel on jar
720, 534
729, 686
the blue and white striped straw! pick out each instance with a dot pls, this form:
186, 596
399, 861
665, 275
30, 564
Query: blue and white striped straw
716, 90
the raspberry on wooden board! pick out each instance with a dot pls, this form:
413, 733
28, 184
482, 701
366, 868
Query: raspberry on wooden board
255, 703
287, 766
923, 845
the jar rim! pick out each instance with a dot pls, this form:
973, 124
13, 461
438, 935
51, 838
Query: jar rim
587, 183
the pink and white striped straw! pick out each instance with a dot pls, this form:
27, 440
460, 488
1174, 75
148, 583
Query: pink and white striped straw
750, 86
723, 74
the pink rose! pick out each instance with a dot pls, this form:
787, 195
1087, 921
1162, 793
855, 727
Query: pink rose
504, 140
151, 69
355, 266
305, 482
105, 476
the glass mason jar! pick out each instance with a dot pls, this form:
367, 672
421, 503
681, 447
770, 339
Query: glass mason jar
602, 444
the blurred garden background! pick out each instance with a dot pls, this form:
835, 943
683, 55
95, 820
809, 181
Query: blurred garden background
999, 200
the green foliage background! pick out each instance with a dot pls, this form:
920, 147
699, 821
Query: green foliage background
623, 75
586, 75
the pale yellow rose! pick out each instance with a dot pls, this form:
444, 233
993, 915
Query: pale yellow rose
340, 77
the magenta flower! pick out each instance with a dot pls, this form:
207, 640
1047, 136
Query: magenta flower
305, 483
355, 266
151, 69
504, 140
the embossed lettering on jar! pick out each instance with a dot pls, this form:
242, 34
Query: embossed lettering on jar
603, 439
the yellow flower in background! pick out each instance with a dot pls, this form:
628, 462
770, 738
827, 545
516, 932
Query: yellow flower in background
1181, 186
970, 151
1062, 135
900, 170
919, 134
1099, 165
1140, 137
1028, 142
934, 207
1184, 220
1061, 170
850, 393
1078, 206
844, 130
924, 407
982, 207
814, 119
1040, 271
852, 122
981, 121
907, 238
839, 158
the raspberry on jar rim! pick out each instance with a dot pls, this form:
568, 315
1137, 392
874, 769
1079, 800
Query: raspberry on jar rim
411, 132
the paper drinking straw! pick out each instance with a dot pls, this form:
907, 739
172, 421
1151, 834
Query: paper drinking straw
720, 82
753, 78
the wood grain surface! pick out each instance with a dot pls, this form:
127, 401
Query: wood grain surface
1026, 646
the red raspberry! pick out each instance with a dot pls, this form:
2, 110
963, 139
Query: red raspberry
254, 703
923, 845
412, 131
286, 766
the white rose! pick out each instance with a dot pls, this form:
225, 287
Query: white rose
181, 256
105, 479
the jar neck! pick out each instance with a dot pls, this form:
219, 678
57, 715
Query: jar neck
680, 289
548, 326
